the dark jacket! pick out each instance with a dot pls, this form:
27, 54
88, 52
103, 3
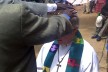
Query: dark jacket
21, 29
104, 10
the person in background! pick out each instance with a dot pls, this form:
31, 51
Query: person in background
86, 6
101, 24
22, 26
92, 5
70, 53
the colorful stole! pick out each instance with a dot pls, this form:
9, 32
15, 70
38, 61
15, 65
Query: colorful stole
75, 55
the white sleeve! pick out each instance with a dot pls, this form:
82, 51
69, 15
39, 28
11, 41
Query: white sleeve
51, 7
99, 21
89, 60
95, 63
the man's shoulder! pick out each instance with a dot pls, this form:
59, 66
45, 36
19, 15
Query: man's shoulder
88, 48
10, 15
12, 8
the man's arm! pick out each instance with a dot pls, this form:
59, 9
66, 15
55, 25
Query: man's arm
36, 8
40, 9
38, 30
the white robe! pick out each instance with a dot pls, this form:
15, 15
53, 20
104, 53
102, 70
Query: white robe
89, 60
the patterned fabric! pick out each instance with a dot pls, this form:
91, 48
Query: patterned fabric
75, 55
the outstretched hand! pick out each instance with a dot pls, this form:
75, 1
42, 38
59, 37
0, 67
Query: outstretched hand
73, 17
61, 8
68, 9
70, 12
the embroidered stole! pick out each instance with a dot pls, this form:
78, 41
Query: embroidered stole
74, 58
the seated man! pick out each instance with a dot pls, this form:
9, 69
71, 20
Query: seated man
70, 53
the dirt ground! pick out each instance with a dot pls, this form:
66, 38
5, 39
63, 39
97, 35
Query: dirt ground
87, 27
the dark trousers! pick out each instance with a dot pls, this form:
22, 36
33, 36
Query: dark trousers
104, 29
92, 4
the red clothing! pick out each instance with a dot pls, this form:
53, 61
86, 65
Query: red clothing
99, 5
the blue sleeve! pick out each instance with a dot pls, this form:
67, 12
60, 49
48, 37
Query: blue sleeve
68, 17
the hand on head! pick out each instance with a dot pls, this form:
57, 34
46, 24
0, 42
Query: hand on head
73, 17
68, 9
61, 6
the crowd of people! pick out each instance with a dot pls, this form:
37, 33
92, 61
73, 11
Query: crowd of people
25, 23
88, 6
